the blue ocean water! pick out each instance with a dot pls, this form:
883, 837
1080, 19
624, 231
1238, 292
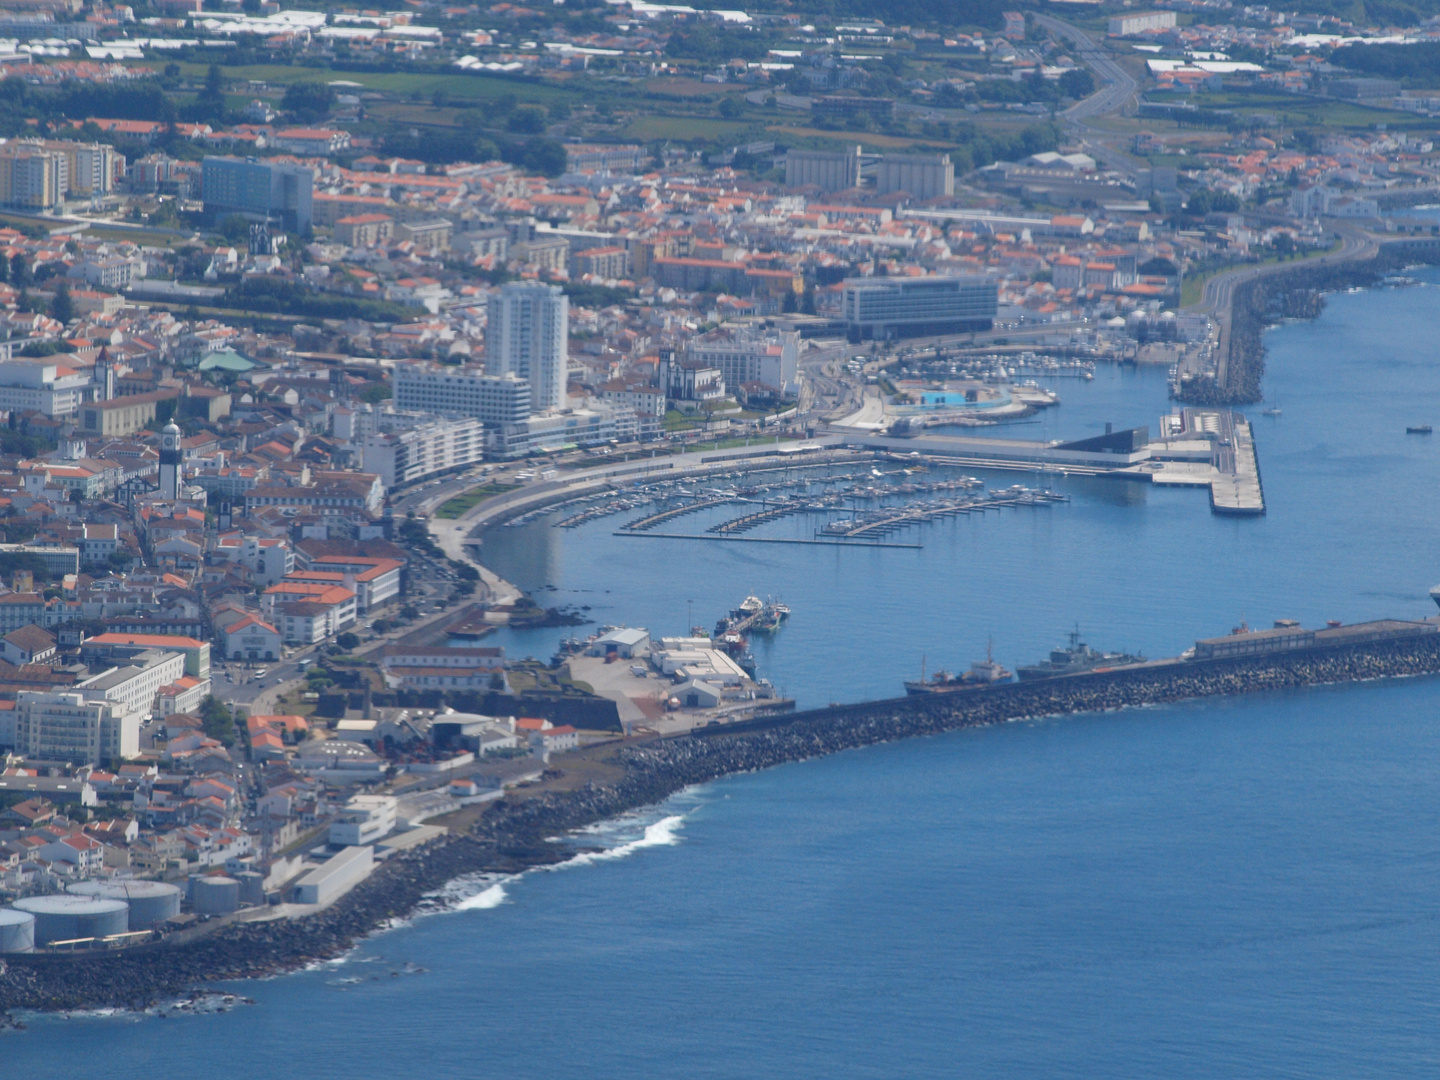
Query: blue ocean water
1218, 888
1348, 534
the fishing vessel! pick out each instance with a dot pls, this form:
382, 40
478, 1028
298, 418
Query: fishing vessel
982, 673
1076, 658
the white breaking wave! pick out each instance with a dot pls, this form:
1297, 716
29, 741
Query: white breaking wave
483, 892
663, 833
492, 897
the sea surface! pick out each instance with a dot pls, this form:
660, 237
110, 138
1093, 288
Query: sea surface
1231, 887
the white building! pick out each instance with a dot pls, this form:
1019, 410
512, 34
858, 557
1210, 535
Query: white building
68, 726
268, 558
403, 457
744, 357
333, 877
250, 638
364, 819
463, 391
528, 336
45, 386
1125, 25
133, 689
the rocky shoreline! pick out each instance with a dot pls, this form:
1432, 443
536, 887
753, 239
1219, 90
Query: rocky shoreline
512, 836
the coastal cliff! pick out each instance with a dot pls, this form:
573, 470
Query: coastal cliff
511, 836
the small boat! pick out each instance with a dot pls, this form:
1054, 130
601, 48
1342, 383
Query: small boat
1419, 429
1274, 410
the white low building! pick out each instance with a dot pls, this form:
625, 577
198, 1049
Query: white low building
626, 642
364, 820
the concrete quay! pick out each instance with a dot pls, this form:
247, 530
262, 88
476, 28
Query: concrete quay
1211, 448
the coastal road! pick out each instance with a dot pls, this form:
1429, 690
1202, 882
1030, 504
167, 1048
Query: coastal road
1218, 297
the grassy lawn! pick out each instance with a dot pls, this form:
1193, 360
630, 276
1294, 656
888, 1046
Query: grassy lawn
458, 505
468, 87
675, 420
753, 440
684, 127
148, 237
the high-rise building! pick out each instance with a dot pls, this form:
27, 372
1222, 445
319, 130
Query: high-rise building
39, 173
259, 189
528, 337
64, 726
170, 462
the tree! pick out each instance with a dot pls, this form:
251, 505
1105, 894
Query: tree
308, 101
376, 393
1077, 83
348, 642
20, 274
235, 229
218, 721
62, 308
730, 109
210, 103
527, 120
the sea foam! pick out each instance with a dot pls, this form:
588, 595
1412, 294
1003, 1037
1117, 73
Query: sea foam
662, 833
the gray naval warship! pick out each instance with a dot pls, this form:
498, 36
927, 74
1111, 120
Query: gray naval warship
1076, 658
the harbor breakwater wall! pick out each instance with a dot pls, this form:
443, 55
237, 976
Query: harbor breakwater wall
511, 836
1289, 294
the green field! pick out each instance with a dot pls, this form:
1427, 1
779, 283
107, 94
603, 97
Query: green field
685, 127
466, 87
474, 497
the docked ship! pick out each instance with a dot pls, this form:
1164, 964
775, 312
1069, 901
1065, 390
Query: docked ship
753, 616
1078, 657
982, 673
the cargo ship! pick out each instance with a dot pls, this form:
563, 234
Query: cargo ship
1078, 657
982, 673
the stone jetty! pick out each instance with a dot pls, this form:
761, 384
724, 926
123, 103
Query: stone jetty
511, 836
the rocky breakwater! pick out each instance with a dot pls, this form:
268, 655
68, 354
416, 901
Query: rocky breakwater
512, 834
659, 768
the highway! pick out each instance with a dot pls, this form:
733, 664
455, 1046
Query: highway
1117, 88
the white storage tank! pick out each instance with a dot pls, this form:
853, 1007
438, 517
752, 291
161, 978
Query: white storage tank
151, 902
215, 895
17, 931
63, 917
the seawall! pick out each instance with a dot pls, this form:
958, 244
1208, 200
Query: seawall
511, 836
